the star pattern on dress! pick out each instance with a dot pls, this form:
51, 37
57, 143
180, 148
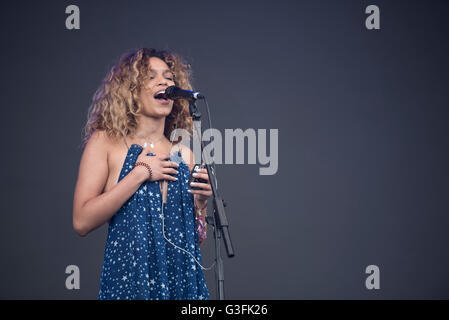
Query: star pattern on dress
139, 264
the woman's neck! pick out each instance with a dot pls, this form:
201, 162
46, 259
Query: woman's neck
150, 128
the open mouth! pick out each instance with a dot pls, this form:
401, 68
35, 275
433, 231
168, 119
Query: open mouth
161, 96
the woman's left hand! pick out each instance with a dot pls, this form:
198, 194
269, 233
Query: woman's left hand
205, 191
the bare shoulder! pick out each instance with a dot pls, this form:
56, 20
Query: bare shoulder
99, 138
100, 144
95, 152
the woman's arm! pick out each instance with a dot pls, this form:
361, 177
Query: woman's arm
91, 207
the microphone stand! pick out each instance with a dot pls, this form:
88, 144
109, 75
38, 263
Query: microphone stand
218, 220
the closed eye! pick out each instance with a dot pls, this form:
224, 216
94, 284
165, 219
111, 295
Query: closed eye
167, 78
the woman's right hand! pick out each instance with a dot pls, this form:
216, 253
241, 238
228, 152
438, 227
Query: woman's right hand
160, 166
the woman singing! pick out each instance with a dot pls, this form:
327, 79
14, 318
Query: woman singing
133, 177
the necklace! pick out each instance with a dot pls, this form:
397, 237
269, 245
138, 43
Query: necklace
151, 142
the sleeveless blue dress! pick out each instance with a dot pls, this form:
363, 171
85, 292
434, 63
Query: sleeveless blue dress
139, 263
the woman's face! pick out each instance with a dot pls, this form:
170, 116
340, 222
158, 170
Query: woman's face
159, 79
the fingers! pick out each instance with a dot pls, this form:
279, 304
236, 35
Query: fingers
169, 170
168, 164
201, 175
201, 192
168, 177
204, 186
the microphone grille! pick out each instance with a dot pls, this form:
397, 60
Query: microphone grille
170, 91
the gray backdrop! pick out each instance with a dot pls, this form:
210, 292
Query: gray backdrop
363, 142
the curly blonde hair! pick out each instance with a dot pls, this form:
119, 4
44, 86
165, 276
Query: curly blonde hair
116, 103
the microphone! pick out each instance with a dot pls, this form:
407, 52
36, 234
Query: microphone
174, 92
